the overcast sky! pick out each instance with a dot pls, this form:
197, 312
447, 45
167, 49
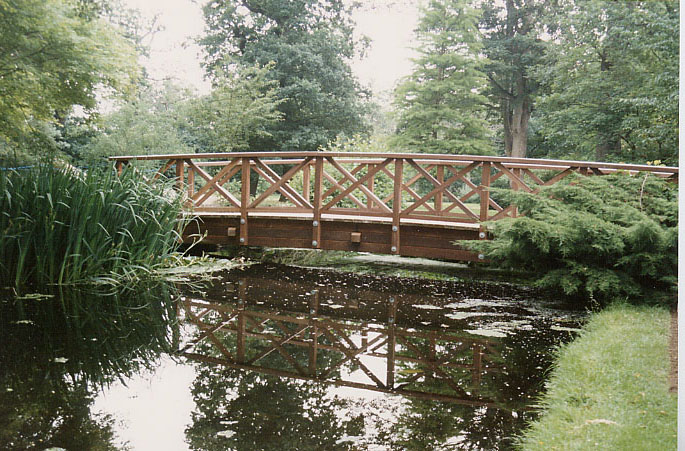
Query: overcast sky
174, 55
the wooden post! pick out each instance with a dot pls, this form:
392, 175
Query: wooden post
438, 197
244, 200
484, 198
191, 181
318, 187
370, 184
306, 183
179, 173
120, 166
240, 351
515, 187
396, 207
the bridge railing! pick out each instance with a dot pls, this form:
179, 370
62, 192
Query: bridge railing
395, 188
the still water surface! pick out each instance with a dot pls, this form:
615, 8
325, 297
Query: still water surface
273, 357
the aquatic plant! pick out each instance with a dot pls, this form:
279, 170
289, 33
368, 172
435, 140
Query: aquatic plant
63, 226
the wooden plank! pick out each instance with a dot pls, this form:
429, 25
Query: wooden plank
352, 156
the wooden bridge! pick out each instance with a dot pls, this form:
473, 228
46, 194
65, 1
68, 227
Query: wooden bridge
401, 204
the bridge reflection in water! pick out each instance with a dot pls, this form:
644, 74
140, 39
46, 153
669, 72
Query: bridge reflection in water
429, 365
351, 337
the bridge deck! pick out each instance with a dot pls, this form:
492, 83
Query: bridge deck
418, 238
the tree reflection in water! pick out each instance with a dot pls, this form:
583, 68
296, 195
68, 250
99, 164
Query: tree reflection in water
60, 349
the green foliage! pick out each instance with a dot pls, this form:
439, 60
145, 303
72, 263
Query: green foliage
52, 59
310, 43
61, 226
150, 123
610, 82
241, 108
440, 103
600, 238
60, 350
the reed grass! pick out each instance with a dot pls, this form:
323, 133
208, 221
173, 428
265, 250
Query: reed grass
62, 226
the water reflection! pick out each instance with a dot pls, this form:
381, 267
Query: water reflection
280, 358
294, 359
59, 349
430, 365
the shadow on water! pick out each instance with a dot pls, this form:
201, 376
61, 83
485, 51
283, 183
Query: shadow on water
284, 358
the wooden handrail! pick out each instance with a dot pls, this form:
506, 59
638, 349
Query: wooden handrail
370, 157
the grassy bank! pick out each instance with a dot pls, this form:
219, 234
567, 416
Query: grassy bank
609, 389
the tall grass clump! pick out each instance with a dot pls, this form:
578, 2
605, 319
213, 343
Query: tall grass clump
62, 226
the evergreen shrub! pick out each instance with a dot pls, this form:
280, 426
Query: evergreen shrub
594, 238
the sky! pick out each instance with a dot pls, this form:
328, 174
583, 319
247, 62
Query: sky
173, 54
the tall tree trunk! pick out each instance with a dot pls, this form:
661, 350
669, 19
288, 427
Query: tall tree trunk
519, 128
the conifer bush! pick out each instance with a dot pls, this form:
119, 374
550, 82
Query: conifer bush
61, 226
594, 238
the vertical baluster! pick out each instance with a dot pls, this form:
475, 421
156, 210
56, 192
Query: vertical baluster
313, 324
396, 206
438, 197
306, 183
191, 181
318, 187
180, 166
390, 366
244, 199
484, 197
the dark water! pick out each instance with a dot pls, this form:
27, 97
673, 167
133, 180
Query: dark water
277, 358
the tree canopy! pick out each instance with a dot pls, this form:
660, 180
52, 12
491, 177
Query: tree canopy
52, 60
310, 43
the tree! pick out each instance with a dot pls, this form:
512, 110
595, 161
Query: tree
513, 47
310, 43
52, 60
441, 103
241, 108
149, 123
610, 81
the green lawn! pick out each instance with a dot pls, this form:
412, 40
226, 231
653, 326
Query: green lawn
609, 389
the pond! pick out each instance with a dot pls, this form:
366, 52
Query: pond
274, 357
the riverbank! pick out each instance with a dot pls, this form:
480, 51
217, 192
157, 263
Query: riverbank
610, 387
